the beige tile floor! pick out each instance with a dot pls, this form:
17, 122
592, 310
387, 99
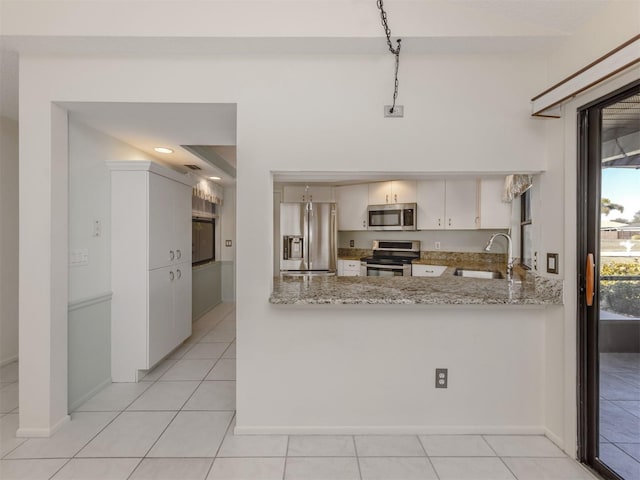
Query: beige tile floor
177, 424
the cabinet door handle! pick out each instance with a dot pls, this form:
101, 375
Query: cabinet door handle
178, 273
178, 254
386, 198
439, 222
171, 255
395, 197
590, 280
171, 276
449, 222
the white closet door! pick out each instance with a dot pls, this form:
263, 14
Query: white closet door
181, 325
162, 248
182, 222
161, 331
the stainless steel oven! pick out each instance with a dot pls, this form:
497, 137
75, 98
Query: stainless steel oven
380, 269
390, 258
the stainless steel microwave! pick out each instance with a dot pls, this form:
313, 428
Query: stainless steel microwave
392, 216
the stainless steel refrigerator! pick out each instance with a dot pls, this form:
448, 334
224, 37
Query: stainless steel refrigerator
308, 238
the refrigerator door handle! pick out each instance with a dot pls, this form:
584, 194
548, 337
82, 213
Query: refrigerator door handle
307, 232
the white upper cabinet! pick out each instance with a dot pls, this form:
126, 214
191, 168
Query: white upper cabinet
403, 191
430, 200
447, 204
169, 222
397, 191
494, 213
352, 203
461, 205
291, 194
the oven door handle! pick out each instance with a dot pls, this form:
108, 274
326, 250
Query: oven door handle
385, 267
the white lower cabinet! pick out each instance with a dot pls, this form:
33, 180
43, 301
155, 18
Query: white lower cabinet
418, 270
150, 265
348, 268
160, 312
169, 301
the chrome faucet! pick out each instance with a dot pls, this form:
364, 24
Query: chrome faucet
509, 251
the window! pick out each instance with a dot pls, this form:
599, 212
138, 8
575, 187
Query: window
202, 240
526, 231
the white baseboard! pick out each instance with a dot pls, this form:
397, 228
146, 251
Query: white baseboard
90, 394
394, 430
554, 438
42, 432
9, 360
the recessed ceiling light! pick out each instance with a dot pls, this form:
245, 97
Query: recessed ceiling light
163, 150
215, 178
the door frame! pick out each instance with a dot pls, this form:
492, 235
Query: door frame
588, 230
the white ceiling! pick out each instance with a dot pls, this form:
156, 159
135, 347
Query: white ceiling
149, 125
143, 125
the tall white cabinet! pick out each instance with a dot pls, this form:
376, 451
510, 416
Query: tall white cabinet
150, 265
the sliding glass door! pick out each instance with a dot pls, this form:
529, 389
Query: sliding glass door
609, 276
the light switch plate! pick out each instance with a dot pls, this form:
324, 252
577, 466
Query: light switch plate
227, 243
552, 263
78, 257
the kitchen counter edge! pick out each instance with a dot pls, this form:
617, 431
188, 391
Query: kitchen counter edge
530, 289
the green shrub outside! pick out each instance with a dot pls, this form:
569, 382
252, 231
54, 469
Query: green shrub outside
621, 296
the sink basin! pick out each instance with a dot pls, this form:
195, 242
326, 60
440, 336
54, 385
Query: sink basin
461, 272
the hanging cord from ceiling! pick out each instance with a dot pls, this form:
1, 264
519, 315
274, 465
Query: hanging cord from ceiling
394, 51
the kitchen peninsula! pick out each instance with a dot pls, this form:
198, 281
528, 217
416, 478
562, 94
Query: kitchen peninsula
447, 289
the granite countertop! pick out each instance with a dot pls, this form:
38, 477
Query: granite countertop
447, 289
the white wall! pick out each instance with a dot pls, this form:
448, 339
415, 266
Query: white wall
287, 120
8, 240
89, 303
227, 256
563, 165
616, 23
89, 200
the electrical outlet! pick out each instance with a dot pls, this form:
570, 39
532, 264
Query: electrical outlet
352, 243
535, 260
227, 243
398, 111
437, 245
442, 377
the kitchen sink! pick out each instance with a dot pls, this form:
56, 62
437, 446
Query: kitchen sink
461, 272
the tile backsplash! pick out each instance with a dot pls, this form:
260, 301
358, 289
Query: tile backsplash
448, 240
